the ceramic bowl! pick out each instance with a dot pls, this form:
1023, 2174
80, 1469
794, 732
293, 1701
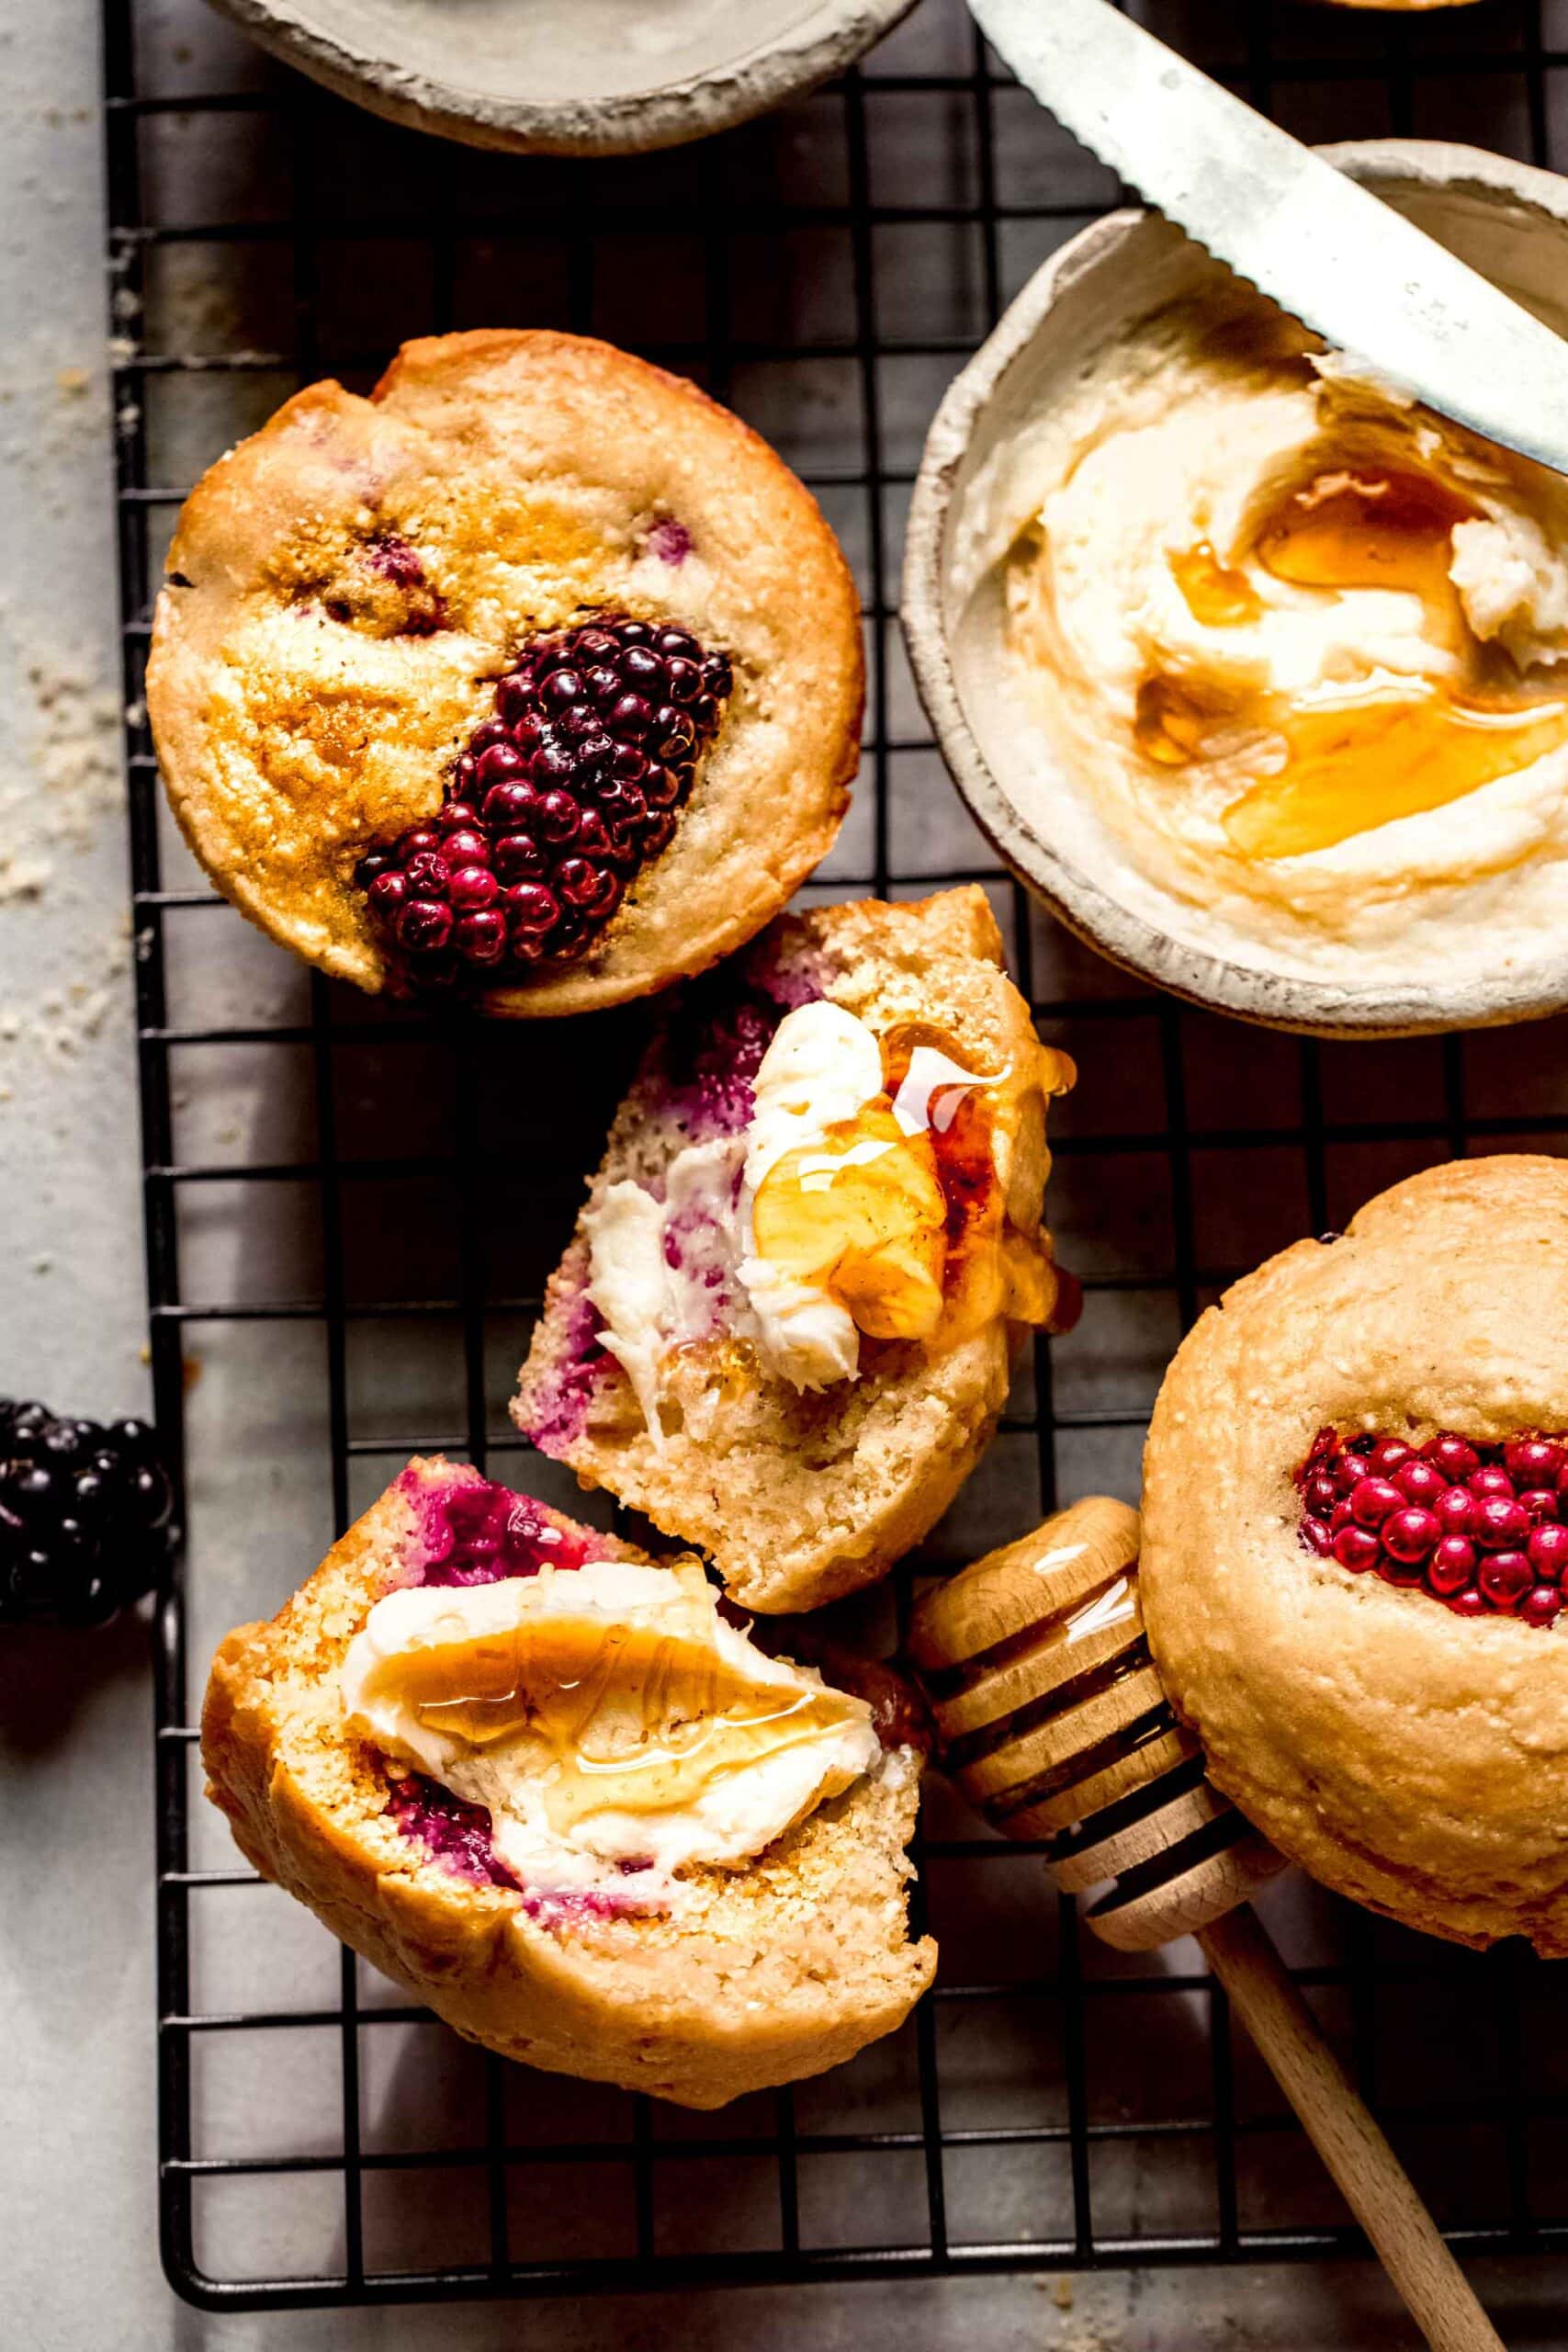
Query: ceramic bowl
568, 77
1506, 220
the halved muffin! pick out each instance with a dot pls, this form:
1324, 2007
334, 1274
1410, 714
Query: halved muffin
538, 1778
785, 1325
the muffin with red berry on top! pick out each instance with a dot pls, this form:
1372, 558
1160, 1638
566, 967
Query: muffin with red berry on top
1355, 1543
533, 681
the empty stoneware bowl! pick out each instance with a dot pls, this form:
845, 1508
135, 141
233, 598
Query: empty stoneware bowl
568, 77
1255, 672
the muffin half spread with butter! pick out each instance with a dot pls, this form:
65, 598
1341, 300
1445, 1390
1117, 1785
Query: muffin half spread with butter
614, 1727
849, 1207
1298, 653
566, 1796
785, 1324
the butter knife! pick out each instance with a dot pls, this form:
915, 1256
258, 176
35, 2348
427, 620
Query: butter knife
1329, 252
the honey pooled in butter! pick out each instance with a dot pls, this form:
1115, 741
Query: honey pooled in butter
901, 1213
640, 1712
1370, 758
861, 1216
1215, 596
1382, 748
1369, 530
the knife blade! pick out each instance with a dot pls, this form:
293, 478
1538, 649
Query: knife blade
1330, 253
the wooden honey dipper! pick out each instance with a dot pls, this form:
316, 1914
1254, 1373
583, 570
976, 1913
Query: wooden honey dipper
1051, 1719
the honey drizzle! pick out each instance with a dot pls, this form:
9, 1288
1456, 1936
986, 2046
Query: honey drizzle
991, 1267
633, 1719
901, 1215
861, 1216
1361, 759
1366, 761
1216, 597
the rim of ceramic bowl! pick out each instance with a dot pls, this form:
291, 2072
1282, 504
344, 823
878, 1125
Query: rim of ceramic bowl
1280, 1000
828, 37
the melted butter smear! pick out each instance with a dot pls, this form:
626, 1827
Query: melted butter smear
633, 1719
1378, 753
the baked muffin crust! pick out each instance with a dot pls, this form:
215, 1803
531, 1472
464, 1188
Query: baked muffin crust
1412, 1758
344, 588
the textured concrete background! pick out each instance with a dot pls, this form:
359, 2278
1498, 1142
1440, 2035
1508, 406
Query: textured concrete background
78, 2256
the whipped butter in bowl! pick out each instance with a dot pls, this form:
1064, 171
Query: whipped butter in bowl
1255, 670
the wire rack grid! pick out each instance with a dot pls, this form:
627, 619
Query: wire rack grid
349, 1211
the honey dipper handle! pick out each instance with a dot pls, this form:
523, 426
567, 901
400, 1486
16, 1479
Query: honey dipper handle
1343, 2130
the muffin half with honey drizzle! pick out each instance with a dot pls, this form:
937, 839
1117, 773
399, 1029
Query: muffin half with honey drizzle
545, 1781
785, 1324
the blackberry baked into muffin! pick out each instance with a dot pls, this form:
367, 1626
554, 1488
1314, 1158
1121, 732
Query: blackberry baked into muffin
541, 1779
785, 1324
1355, 1531
533, 678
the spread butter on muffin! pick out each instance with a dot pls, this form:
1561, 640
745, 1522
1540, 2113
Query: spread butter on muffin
1355, 1530
784, 1326
541, 1779
534, 679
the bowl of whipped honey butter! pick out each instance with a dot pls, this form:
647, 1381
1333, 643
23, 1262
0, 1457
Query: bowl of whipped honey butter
1253, 670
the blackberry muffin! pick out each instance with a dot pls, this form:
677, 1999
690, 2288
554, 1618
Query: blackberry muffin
1355, 1535
534, 679
543, 1781
785, 1325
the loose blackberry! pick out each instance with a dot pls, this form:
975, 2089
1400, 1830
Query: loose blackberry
84, 1516
557, 802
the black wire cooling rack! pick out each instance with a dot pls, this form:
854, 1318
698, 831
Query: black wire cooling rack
1051, 2104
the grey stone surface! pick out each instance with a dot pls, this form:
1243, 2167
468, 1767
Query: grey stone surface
73, 1308
79, 2267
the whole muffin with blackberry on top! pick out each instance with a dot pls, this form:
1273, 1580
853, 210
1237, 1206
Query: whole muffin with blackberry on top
1355, 1534
534, 680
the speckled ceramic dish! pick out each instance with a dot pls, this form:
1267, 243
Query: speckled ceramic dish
1506, 220
568, 77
